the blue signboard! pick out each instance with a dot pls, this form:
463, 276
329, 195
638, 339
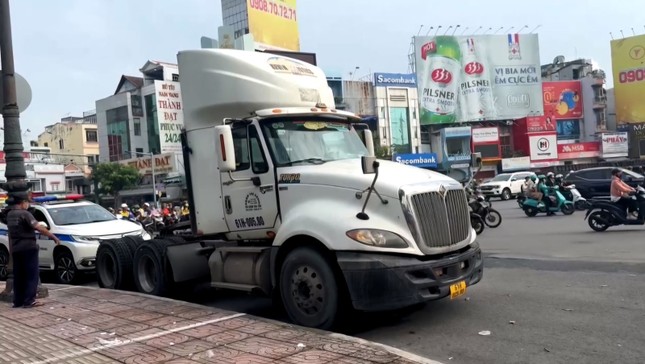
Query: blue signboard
427, 160
395, 79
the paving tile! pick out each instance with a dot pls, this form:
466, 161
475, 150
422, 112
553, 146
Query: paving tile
110, 308
189, 347
236, 323
18, 356
194, 313
350, 360
178, 324
152, 356
95, 318
168, 340
125, 351
257, 327
182, 361
227, 337
311, 357
265, 347
70, 329
127, 299
111, 324
142, 335
129, 328
203, 331
230, 356
91, 359
283, 334
19, 313
163, 321
39, 321
374, 355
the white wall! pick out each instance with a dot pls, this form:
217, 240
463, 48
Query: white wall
108, 103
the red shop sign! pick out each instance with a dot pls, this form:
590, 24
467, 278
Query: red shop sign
578, 150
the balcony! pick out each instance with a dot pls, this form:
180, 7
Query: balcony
600, 102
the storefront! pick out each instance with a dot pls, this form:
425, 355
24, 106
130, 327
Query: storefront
636, 133
578, 153
486, 141
167, 167
614, 146
421, 160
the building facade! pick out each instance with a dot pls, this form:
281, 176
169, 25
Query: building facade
73, 140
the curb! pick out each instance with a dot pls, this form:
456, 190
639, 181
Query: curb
398, 352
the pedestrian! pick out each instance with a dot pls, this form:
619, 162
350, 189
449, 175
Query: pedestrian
24, 251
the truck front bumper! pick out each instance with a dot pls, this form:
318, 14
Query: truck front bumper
379, 282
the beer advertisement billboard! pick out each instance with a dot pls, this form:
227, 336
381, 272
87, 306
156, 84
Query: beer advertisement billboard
274, 23
627, 57
482, 77
562, 99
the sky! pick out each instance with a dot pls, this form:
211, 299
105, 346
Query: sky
73, 52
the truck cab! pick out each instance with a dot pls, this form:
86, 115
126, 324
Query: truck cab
317, 222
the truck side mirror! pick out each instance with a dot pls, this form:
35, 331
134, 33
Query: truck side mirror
369, 142
226, 155
369, 164
476, 159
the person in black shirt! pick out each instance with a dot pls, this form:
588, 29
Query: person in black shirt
24, 248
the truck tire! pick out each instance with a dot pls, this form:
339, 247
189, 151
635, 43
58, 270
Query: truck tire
309, 290
150, 268
114, 264
132, 242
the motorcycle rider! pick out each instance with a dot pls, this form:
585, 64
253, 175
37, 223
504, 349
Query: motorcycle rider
550, 179
620, 194
545, 190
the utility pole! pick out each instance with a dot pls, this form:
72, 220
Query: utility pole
16, 185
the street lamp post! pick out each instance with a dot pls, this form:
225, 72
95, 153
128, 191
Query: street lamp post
152, 166
16, 185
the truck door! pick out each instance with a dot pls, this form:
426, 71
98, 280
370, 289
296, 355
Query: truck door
250, 202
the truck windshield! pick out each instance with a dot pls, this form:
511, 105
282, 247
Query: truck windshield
295, 142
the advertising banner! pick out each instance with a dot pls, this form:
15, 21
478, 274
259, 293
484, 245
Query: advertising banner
627, 57
538, 124
458, 132
400, 130
274, 23
164, 163
426, 160
485, 135
614, 145
578, 150
562, 99
395, 80
568, 129
543, 147
483, 77
516, 164
170, 115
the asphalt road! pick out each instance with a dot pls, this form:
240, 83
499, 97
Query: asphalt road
553, 291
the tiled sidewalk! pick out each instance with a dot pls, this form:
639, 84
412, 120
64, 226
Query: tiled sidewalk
89, 325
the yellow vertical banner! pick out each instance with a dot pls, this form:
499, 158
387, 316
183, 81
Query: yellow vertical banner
628, 65
274, 23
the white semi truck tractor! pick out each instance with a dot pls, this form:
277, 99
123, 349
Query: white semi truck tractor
288, 202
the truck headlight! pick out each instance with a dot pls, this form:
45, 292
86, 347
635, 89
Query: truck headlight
378, 238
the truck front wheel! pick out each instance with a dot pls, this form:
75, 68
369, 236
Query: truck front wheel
309, 289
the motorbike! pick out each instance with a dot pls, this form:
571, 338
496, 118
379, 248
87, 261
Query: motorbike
603, 214
533, 207
571, 193
479, 205
477, 223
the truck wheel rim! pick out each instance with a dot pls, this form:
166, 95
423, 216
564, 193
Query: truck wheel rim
307, 290
66, 269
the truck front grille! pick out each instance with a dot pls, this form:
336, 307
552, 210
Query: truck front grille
442, 221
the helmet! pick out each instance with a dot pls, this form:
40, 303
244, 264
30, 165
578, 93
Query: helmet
136, 207
550, 174
145, 204
533, 178
124, 205
559, 176
541, 176
615, 171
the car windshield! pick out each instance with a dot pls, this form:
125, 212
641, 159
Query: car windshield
501, 178
82, 214
318, 141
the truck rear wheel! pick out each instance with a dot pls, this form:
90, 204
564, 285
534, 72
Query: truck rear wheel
150, 268
114, 264
309, 290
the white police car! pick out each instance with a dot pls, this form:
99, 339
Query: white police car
79, 225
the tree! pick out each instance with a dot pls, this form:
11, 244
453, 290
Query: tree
112, 178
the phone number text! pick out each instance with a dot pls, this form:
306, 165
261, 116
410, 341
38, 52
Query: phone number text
275, 9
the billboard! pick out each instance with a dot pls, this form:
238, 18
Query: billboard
614, 145
170, 115
274, 23
395, 80
578, 150
538, 124
543, 147
423, 160
562, 99
483, 77
627, 57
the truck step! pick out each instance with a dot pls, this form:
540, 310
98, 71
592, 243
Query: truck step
243, 249
236, 286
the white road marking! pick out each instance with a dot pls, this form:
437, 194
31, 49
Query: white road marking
136, 340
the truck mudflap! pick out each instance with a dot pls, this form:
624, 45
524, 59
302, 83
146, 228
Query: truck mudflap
188, 261
379, 282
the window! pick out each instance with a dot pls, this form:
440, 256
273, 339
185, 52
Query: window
258, 160
36, 185
175, 77
40, 216
61, 144
152, 125
139, 151
90, 159
118, 131
595, 174
91, 136
137, 126
241, 145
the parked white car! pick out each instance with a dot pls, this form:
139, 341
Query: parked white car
79, 225
505, 185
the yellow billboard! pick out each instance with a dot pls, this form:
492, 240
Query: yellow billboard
274, 23
628, 64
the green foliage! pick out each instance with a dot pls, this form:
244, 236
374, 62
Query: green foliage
115, 177
382, 152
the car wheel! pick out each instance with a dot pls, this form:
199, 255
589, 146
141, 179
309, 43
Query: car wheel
309, 290
65, 268
506, 194
4, 261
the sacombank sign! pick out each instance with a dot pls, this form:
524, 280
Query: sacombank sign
395, 79
428, 160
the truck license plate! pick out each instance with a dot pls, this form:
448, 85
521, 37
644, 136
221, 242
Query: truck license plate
457, 289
